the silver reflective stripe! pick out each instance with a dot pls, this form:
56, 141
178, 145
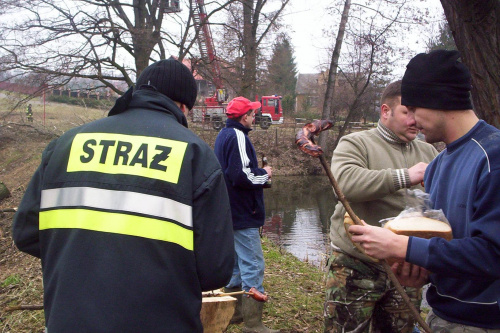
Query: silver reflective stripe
125, 201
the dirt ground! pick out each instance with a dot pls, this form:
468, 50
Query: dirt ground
21, 145
20, 274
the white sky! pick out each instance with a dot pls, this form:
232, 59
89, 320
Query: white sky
308, 18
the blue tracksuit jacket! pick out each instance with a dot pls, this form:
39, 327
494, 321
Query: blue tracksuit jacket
244, 179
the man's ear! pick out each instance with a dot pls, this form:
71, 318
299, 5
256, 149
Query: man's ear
385, 111
184, 109
244, 118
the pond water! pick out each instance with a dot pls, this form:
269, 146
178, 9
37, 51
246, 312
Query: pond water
298, 211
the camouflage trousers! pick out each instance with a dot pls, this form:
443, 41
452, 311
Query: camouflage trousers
439, 325
361, 298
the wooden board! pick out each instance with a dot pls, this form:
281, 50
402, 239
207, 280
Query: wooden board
216, 312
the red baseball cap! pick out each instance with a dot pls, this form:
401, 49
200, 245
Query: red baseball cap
239, 106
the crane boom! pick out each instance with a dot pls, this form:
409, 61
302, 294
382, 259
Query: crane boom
205, 41
214, 109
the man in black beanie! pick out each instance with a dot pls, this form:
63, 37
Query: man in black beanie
130, 215
464, 182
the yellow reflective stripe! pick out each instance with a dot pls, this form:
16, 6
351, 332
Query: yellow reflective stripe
136, 155
117, 223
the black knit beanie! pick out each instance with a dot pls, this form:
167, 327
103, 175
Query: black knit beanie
437, 80
171, 78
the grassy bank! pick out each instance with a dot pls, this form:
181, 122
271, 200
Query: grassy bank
295, 289
296, 292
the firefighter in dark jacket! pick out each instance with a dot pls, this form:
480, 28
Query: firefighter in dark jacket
130, 215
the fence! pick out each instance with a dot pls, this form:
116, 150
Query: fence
276, 135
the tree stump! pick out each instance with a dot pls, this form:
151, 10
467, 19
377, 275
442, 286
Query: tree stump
216, 312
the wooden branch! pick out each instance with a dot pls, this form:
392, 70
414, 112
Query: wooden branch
24, 307
7, 210
385, 265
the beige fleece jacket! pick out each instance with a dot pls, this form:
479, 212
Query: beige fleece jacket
372, 171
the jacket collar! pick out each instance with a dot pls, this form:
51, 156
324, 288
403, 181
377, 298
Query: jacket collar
388, 135
149, 100
231, 123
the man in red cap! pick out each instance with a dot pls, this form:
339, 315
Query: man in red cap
245, 182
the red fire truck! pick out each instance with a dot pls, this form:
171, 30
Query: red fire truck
270, 112
214, 107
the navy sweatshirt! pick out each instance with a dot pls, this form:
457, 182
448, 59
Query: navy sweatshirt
464, 181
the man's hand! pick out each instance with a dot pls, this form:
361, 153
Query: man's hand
379, 242
269, 170
410, 275
417, 172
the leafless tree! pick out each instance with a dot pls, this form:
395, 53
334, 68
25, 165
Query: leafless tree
367, 30
332, 73
105, 40
249, 25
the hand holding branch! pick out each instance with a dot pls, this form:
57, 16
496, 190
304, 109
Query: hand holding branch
410, 275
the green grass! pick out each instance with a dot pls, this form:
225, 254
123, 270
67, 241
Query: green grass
11, 280
13, 157
296, 293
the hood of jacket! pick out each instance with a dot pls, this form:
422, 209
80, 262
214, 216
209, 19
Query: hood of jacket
150, 100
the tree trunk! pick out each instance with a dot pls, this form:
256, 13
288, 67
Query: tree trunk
475, 25
145, 32
250, 47
328, 112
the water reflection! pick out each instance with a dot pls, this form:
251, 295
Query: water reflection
298, 211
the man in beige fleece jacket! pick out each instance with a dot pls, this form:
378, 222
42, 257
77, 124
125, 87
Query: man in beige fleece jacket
374, 168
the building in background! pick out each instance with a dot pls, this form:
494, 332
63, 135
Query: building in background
309, 92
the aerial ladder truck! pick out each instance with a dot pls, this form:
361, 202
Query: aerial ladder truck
214, 106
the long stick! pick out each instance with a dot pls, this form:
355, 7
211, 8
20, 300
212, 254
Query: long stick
384, 263
253, 292
24, 307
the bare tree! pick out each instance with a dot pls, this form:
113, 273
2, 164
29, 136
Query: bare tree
367, 31
249, 25
105, 40
332, 73
475, 25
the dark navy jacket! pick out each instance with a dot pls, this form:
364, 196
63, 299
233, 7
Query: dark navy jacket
464, 181
244, 179
131, 219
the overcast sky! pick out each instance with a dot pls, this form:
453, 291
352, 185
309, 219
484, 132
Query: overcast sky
308, 18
